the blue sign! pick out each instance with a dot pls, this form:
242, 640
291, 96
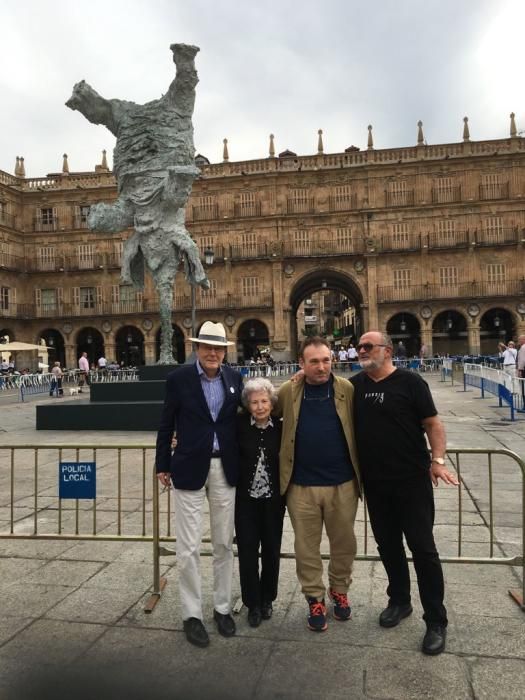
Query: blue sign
77, 480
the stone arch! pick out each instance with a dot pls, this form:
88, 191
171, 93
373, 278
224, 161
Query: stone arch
450, 333
253, 339
54, 341
405, 327
496, 325
90, 340
129, 346
330, 279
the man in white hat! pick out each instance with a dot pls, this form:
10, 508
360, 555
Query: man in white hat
200, 409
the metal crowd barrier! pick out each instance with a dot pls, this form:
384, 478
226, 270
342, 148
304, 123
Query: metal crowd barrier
279, 369
129, 505
113, 375
509, 390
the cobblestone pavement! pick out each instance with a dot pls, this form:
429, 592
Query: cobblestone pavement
73, 622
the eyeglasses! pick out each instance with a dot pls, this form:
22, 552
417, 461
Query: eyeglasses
369, 346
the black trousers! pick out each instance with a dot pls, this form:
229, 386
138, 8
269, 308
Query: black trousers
258, 526
406, 507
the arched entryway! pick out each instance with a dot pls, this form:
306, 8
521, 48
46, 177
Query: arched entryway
405, 328
177, 344
495, 326
449, 334
325, 302
54, 342
90, 340
129, 342
253, 340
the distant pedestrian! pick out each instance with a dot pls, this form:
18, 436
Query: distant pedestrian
509, 356
56, 380
83, 366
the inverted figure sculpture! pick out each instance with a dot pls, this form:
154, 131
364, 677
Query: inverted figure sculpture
154, 165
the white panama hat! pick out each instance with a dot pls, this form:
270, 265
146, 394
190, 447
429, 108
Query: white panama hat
212, 334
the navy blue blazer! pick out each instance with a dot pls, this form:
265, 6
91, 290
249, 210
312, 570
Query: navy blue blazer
186, 412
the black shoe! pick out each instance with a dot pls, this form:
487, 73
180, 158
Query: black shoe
254, 617
196, 632
225, 624
266, 611
393, 614
434, 640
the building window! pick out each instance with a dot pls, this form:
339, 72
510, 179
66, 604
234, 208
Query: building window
446, 230
249, 244
400, 235
402, 278
448, 276
342, 197
247, 204
205, 207
85, 256
5, 295
344, 240
210, 293
493, 225
46, 219
301, 240
87, 297
397, 194
46, 258
298, 201
48, 299
496, 272
250, 287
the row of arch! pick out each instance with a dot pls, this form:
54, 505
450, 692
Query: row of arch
129, 345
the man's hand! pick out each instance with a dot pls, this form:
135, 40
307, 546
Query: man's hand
164, 478
439, 471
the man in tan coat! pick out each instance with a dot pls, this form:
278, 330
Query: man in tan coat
319, 474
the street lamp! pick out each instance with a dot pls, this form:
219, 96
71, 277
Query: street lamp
209, 257
497, 322
449, 324
403, 325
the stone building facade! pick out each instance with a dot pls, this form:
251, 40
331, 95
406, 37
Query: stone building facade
424, 241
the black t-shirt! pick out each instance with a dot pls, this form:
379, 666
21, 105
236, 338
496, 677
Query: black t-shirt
388, 424
321, 452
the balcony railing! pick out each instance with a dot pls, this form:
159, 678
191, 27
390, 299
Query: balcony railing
42, 225
494, 191
399, 199
393, 242
56, 264
11, 262
80, 222
300, 206
205, 213
7, 219
249, 251
446, 195
89, 262
247, 209
463, 290
504, 236
448, 239
340, 203
330, 245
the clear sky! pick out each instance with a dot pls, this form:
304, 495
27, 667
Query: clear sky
287, 67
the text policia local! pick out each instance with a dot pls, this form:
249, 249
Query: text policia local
76, 472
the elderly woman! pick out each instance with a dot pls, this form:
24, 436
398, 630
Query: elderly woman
259, 508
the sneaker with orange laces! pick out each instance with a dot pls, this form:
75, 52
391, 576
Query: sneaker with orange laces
317, 616
342, 609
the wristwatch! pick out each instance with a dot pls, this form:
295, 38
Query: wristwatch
438, 460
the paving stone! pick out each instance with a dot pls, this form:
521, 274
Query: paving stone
498, 679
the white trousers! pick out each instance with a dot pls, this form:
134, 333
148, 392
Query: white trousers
189, 511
